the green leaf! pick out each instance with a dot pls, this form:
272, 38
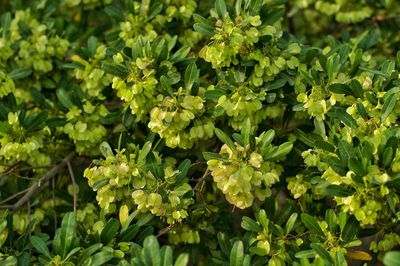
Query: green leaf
281, 151
144, 219
331, 220
100, 183
151, 251
92, 45
246, 130
357, 167
166, 255
322, 253
351, 229
115, 69
86, 253
263, 219
38, 122
109, 231
191, 76
39, 244
224, 138
64, 98
203, 29
166, 85
128, 234
183, 169
182, 260
20, 73
290, 222
211, 156
356, 88
338, 191
388, 106
220, 7
144, 152
250, 225
342, 115
237, 254
4, 127
311, 223
214, 95
180, 54
65, 236
106, 150
391, 258
313, 140
100, 258
310, 253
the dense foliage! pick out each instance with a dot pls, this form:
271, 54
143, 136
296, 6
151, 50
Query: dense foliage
188, 132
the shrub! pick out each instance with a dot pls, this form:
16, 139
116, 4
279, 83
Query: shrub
183, 132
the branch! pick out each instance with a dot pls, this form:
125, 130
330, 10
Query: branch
166, 230
52, 172
71, 173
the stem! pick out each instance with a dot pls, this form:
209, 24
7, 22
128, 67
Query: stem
52, 172
71, 173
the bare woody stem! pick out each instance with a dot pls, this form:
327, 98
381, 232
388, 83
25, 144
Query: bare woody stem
51, 173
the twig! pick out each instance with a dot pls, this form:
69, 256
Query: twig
52, 172
71, 173
14, 196
201, 180
167, 229
53, 195
10, 169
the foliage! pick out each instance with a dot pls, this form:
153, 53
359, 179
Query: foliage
213, 132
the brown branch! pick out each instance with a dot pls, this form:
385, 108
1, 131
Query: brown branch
14, 196
167, 229
71, 173
52, 172
10, 169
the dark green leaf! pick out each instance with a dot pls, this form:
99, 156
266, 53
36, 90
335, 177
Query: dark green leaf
109, 231
388, 106
20, 73
322, 253
65, 236
203, 29
211, 156
351, 229
250, 225
40, 246
115, 69
224, 138
311, 223
64, 98
183, 169
180, 54
128, 234
338, 191
191, 76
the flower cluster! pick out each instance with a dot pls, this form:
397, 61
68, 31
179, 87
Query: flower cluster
244, 173
84, 128
173, 117
127, 179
